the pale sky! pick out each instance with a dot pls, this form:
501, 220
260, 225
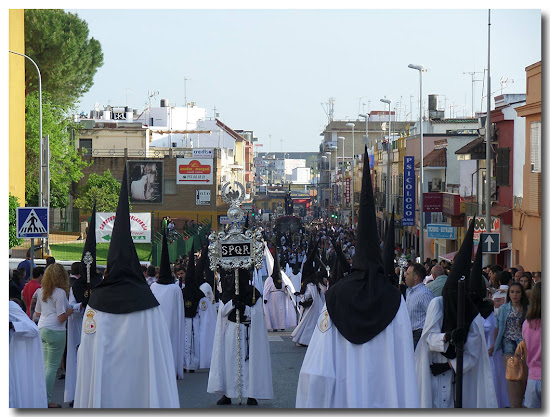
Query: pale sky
270, 70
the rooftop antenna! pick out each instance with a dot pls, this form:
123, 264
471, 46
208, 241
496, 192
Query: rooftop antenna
472, 74
150, 95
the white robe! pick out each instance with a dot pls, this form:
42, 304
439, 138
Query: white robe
279, 311
27, 378
377, 374
191, 360
74, 330
127, 362
207, 317
304, 330
170, 299
438, 391
256, 371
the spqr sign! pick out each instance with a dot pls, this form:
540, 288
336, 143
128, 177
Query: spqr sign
229, 250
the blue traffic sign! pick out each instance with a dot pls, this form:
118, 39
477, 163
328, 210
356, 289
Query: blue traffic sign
32, 222
490, 242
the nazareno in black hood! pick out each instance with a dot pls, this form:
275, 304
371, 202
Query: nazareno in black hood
364, 303
124, 289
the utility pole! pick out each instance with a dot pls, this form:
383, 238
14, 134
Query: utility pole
488, 155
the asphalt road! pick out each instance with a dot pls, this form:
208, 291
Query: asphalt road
286, 361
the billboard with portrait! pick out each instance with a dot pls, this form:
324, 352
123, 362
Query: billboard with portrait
145, 181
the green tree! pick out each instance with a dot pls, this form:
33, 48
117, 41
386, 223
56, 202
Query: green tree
102, 189
65, 162
58, 42
14, 241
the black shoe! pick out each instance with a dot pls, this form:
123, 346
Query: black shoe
274, 330
252, 401
71, 404
191, 371
224, 401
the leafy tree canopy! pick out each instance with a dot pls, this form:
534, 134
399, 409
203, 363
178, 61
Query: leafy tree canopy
104, 190
58, 42
14, 241
65, 162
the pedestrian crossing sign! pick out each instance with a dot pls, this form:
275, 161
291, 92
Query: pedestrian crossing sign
32, 222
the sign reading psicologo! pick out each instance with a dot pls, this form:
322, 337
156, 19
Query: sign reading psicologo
408, 192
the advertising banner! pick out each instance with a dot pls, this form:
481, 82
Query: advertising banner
194, 171
408, 192
146, 181
140, 227
441, 231
480, 226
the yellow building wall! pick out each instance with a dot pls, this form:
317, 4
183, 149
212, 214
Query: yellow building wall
17, 105
527, 222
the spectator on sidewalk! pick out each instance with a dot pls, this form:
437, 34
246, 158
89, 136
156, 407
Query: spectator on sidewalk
31, 287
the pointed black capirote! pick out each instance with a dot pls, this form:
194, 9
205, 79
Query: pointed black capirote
192, 294
345, 267
388, 252
276, 274
364, 303
461, 268
124, 289
477, 288
80, 286
165, 273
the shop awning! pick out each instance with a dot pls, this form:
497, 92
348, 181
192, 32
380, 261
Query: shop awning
449, 256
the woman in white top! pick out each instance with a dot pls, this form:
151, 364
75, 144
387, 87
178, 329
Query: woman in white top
52, 308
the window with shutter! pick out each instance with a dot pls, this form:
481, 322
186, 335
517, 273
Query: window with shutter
535, 147
503, 167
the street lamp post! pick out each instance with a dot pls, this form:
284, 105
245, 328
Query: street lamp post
41, 201
41, 152
366, 116
343, 161
388, 179
352, 125
420, 69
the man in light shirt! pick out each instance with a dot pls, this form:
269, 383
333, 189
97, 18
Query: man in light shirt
417, 300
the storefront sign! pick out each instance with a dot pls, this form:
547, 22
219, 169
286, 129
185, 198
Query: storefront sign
441, 231
451, 204
408, 192
480, 227
194, 171
203, 153
433, 202
348, 190
202, 198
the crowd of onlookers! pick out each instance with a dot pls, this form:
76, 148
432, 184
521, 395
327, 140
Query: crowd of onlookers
514, 295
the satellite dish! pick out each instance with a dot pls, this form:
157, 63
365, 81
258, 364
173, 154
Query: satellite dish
384, 126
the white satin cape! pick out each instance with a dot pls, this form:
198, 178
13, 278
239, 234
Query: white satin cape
207, 315
256, 371
170, 299
304, 330
127, 363
437, 391
377, 374
27, 378
279, 311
